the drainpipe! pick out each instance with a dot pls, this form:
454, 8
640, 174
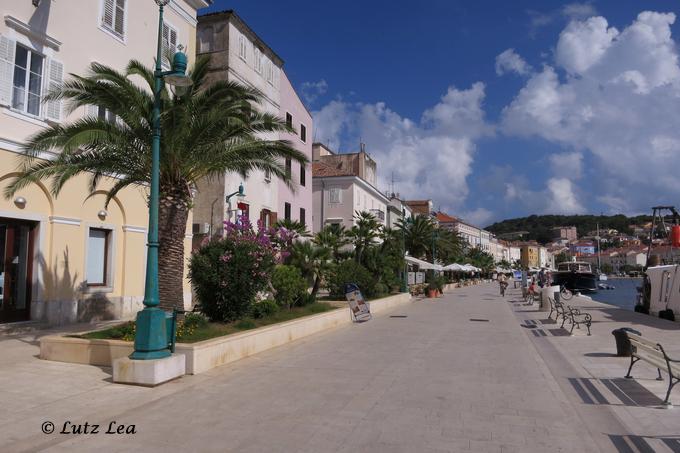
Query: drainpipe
323, 189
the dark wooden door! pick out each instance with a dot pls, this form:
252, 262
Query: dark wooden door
16, 267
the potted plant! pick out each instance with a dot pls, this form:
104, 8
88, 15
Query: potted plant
432, 289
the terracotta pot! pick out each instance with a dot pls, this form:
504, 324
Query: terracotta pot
431, 293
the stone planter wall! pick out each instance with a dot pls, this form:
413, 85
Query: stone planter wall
205, 355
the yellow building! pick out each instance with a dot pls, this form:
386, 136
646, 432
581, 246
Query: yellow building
529, 255
70, 259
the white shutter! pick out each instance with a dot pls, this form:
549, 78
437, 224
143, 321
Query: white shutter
173, 40
107, 16
55, 77
7, 48
119, 25
92, 111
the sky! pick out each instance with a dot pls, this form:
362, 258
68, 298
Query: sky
492, 109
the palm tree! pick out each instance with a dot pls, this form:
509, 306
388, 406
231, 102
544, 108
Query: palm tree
297, 229
312, 260
364, 233
211, 130
417, 234
334, 237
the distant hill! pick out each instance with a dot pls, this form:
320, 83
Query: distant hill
539, 226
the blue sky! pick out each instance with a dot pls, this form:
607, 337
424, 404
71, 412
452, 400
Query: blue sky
492, 109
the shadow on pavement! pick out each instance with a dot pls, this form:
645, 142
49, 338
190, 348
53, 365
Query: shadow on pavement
633, 444
627, 391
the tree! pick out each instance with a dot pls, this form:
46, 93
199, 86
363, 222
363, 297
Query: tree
364, 233
418, 234
480, 258
312, 260
450, 246
211, 130
334, 237
297, 229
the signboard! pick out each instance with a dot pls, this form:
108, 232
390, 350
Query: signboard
517, 275
411, 278
420, 277
357, 305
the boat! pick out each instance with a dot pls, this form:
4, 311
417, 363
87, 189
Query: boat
660, 293
576, 276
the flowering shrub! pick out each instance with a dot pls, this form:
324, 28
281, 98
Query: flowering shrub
228, 272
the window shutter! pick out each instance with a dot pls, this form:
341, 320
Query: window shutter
173, 40
107, 17
7, 48
92, 111
55, 77
119, 26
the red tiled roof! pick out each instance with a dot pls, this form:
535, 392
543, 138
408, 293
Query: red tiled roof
322, 169
445, 218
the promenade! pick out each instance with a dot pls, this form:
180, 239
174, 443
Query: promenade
469, 371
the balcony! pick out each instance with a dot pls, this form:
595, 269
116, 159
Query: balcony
378, 214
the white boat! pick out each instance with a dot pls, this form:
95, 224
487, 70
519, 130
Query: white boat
663, 290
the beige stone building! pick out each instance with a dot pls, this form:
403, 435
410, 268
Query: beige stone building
66, 259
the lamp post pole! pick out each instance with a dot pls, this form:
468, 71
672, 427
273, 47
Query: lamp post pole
404, 281
151, 339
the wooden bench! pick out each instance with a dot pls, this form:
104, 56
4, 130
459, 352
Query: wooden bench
655, 355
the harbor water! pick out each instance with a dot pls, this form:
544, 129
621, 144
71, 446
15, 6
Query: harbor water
623, 295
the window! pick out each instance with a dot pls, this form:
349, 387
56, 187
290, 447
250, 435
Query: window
289, 120
97, 257
242, 47
286, 211
258, 61
27, 87
113, 16
302, 216
267, 176
334, 195
303, 133
169, 44
288, 168
303, 176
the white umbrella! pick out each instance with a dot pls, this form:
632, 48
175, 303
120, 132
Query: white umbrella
422, 264
454, 267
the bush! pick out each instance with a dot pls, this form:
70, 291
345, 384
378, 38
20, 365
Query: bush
306, 299
227, 273
380, 289
264, 308
288, 284
195, 320
350, 271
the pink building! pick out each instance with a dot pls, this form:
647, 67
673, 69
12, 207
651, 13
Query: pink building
297, 204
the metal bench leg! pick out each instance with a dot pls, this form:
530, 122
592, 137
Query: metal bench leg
671, 384
632, 362
588, 326
572, 327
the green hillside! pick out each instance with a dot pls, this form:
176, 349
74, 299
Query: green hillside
539, 226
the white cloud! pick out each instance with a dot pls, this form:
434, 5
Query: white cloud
480, 216
330, 121
567, 164
618, 101
430, 158
579, 11
312, 90
511, 61
562, 199
582, 44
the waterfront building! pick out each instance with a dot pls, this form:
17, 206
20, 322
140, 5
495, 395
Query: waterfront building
396, 210
238, 54
343, 184
69, 258
514, 253
421, 207
446, 221
581, 248
545, 258
565, 232
470, 233
529, 255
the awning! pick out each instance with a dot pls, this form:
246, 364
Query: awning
423, 265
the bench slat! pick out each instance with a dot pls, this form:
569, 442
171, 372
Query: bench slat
640, 339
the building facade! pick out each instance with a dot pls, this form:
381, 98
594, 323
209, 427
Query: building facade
529, 255
239, 55
344, 184
69, 258
568, 233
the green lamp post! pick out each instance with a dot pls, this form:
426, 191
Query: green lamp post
151, 339
404, 281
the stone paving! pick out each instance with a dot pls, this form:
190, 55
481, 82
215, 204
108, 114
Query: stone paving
458, 373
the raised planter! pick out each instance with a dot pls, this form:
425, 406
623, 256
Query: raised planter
205, 355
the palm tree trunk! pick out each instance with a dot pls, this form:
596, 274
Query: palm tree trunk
315, 288
172, 222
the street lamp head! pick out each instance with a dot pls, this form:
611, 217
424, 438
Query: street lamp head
162, 2
178, 77
241, 191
